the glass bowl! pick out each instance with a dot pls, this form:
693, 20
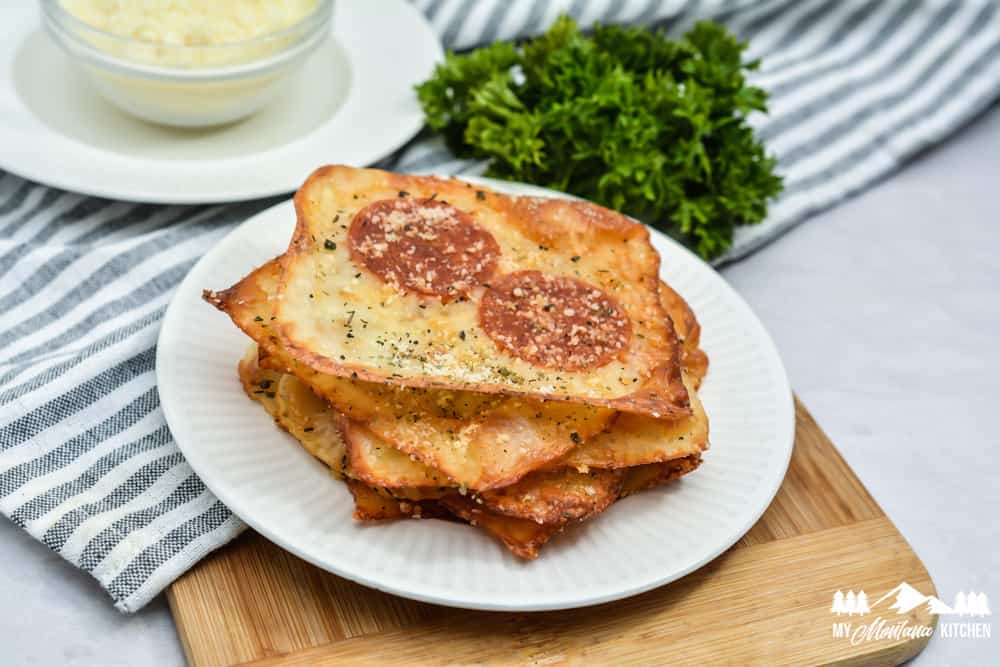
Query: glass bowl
187, 86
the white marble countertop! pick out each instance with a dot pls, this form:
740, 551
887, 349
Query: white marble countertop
887, 313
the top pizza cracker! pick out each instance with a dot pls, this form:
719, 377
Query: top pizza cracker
429, 282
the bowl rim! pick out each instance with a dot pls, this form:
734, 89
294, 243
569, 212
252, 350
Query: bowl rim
65, 28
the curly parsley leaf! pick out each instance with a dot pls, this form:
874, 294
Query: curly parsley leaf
651, 127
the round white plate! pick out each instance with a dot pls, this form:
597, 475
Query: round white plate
351, 103
646, 540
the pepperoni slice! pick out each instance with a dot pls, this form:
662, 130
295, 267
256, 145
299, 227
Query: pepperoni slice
554, 321
424, 246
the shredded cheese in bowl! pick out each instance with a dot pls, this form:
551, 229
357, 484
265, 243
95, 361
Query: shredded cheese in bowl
190, 22
188, 63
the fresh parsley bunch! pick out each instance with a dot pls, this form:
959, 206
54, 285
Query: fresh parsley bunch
648, 126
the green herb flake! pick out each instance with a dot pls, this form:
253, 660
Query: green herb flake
329, 245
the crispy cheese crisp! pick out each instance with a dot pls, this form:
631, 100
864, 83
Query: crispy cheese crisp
521, 536
520, 384
480, 440
296, 409
556, 496
425, 282
634, 440
524, 515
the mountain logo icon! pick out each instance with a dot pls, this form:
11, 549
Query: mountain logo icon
908, 598
905, 598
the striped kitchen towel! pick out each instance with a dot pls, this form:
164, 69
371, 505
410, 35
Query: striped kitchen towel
87, 463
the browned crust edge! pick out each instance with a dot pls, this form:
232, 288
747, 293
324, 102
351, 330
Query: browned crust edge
370, 505
694, 361
530, 536
651, 475
361, 471
558, 511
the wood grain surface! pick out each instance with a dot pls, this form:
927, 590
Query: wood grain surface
765, 601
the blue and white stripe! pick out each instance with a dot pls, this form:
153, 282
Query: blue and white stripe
87, 464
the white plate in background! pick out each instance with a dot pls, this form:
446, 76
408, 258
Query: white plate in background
351, 103
644, 541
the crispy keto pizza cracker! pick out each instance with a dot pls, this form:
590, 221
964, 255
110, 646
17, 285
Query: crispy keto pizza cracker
452, 352
386, 484
426, 282
523, 536
480, 440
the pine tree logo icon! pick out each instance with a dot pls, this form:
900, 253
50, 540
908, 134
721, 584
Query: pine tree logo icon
971, 604
850, 603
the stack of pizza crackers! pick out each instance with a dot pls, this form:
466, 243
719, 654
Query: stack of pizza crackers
452, 352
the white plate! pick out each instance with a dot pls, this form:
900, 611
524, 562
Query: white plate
646, 540
352, 103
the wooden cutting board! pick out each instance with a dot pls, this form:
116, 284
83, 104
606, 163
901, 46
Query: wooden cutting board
765, 601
